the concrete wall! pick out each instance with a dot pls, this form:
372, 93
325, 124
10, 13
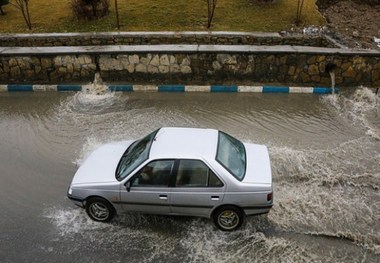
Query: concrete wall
189, 64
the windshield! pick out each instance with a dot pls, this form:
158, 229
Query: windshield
231, 154
135, 155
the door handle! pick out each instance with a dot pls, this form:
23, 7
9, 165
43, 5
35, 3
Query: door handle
163, 197
215, 198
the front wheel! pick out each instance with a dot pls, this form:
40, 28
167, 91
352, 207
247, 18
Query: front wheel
228, 218
100, 210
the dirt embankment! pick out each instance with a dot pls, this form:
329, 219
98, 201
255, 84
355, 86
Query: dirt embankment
355, 24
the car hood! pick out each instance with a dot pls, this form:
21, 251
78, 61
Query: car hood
100, 166
258, 164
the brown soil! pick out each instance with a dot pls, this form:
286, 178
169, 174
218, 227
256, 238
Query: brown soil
353, 24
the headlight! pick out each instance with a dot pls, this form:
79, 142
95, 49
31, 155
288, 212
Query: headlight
70, 192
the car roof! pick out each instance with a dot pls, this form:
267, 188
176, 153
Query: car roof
175, 142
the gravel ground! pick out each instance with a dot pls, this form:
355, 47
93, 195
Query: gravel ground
355, 25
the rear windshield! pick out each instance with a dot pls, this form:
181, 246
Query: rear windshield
231, 154
135, 155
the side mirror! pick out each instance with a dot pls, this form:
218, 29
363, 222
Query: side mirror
128, 186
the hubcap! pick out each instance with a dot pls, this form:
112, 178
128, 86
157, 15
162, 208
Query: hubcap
228, 219
99, 211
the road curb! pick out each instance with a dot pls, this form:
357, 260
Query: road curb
172, 88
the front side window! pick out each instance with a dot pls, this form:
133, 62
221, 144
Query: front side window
194, 173
135, 155
154, 174
231, 154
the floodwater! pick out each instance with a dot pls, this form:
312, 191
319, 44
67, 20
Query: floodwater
325, 153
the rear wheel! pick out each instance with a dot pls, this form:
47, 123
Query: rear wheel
100, 209
228, 218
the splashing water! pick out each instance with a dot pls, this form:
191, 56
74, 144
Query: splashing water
310, 183
326, 198
72, 221
322, 192
126, 233
164, 238
97, 87
91, 144
94, 98
207, 245
362, 108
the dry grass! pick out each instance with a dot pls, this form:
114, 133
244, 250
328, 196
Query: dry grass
163, 15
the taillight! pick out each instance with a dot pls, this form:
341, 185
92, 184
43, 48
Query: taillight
270, 197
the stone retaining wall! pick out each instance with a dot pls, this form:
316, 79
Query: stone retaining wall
157, 38
190, 64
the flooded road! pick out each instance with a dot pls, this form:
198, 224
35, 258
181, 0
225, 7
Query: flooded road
325, 153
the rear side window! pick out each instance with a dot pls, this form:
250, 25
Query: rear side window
194, 173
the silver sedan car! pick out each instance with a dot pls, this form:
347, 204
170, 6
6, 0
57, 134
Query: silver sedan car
177, 171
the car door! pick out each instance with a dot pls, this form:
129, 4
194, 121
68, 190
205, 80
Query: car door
148, 190
197, 189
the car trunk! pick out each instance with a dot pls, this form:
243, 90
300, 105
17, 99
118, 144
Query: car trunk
258, 168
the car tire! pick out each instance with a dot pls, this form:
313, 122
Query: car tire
99, 209
228, 218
